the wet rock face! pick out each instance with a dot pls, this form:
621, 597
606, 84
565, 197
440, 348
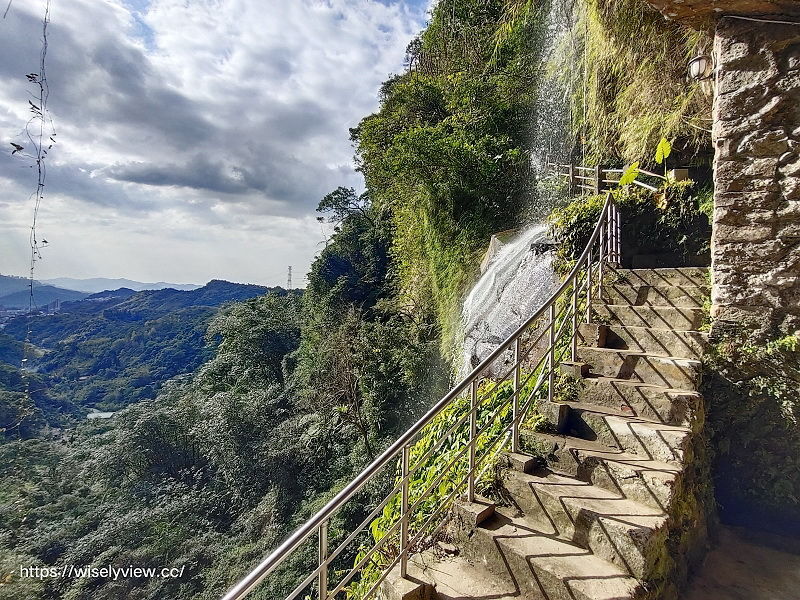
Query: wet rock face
516, 281
756, 232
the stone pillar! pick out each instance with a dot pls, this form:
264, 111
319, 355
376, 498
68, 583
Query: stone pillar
756, 230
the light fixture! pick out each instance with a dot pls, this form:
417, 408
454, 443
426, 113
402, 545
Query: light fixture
701, 68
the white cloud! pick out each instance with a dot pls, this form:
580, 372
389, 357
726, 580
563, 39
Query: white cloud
195, 138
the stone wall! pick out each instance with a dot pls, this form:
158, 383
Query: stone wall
756, 233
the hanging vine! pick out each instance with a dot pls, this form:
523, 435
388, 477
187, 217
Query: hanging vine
41, 137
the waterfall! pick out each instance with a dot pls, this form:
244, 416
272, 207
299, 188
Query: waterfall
519, 277
516, 281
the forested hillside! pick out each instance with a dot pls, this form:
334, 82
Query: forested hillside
291, 395
107, 351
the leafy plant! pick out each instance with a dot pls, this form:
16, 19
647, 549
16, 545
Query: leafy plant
630, 174
663, 151
666, 221
754, 424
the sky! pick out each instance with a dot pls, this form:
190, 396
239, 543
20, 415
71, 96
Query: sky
194, 137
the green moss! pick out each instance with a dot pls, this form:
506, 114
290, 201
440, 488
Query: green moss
567, 388
634, 65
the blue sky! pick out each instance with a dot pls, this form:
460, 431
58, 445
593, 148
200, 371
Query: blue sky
195, 138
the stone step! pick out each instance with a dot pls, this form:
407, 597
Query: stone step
645, 400
657, 317
682, 276
615, 528
457, 578
681, 296
631, 434
666, 342
543, 566
667, 371
648, 481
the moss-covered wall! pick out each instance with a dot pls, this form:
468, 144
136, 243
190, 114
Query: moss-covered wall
632, 89
753, 397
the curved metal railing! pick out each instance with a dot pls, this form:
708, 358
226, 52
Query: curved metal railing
449, 452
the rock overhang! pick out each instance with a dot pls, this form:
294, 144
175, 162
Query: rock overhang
702, 14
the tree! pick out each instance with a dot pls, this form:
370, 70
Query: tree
343, 202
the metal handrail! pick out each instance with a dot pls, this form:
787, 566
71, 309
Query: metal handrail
576, 290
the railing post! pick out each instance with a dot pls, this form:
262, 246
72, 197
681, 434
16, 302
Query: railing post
517, 392
602, 256
597, 183
551, 358
614, 219
322, 578
618, 234
404, 516
571, 176
589, 286
473, 427
610, 233
574, 345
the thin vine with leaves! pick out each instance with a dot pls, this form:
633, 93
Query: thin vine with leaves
41, 137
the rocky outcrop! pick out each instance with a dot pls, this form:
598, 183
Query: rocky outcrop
756, 230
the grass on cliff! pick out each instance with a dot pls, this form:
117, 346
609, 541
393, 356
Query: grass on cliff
625, 66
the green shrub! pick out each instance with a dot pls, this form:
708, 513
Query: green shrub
668, 221
752, 422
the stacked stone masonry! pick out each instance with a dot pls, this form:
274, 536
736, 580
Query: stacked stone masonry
756, 232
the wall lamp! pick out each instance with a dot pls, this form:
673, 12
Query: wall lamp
701, 68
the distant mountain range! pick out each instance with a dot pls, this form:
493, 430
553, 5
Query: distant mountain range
116, 347
99, 284
15, 291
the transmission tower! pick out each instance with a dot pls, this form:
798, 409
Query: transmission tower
289, 279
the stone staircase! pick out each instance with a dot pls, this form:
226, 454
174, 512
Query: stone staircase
611, 506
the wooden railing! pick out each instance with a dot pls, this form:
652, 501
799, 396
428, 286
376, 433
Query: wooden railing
582, 179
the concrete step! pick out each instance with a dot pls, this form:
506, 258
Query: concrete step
617, 529
645, 400
648, 481
543, 566
667, 371
658, 317
683, 276
681, 296
666, 342
631, 434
